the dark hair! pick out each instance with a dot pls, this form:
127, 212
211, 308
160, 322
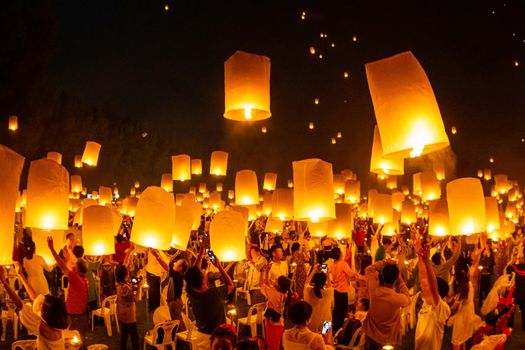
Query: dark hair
436, 259
366, 303
119, 238
319, 280
461, 284
78, 251
295, 247
443, 287
82, 266
274, 248
30, 249
336, 253
455, 239
300, 312
69, 234
120, 273
390, 273
226, 332
54, 312
193, 277
284, 284
256, 248
366, 260
247, 345
184, 266
387, 241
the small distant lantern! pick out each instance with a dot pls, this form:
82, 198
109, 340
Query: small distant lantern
132, 191
247, 87
215, 200
267, 207
438, 219
311, 49
290, 183
227, 236
13, 123
136, 184
78, 161
339, 184
316, 100
406, 109
345, 75
196, 167
501, 183
430, 186
282, 205
408, 212
246, 188
339, 134
166, 182
202, 187
341, 227
105, 195
76, 183
273, 225
182, 227
181, 167
264, 129
354, 38
439, 169
91, 152
492, 214
391, 182
311, 125
218, 163
453, 130
416, 184
491, 159
270, 181
231, 194
379, 164
352, 191
55, 156
466, 206
397, 200
98, 230
372, 194
334, 141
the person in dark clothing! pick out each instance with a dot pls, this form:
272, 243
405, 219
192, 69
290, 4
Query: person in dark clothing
519, 292
487, 262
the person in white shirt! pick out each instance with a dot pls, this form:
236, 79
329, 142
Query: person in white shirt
279, 267
256, 264
320, 297
34, 265
300, 337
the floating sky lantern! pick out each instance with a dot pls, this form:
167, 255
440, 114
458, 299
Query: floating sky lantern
247, 87
218, 163
341, 227
339, 184
311, 49
218, 186
267, 207
345, 75
416, 184
231, 194
91, 152
283, 204
246, 188
438, 218
492, 214
316, 100
270, 181
408, 212
352, 191
290, 183
362, 210
381, 165
13, 123
273, 225
47, 196
11, 164
196, 166
510, 210
439, 169
391, 182
105, 195
383, 208
166, 182
453, 130
99, 230
181, 167
430, 186
339, 134
318, 229
215, 200
227, 236
78, 161
354, 38
406, 109
487, 174
196, 211
313, 190
264, 130
390, 229
397, 200
55, 156
40, 238
311, 125
466, 206
372, 194
136, 184
76, 183
333, 140
182, 227
501, 181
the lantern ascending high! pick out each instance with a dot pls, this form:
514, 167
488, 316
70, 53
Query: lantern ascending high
166, 182
219, 163
270, 181
246, 188
56, 156
313, 190
182, 227
47, 196
381, 165
181, 167
227, 235
406, 109
466, 206
78, 161
502, 183
267, 205
282, 206
11, 164
438, 220
105, 195
13, 123
98, 230
397, 200
90, 155
430, 186
196, 166
154, 219
76, 184
352, 191
339, 184
247, 87
408, 212
341, 227
383, 208
492, 213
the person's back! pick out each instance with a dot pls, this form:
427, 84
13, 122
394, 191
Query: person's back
34, 268
300, 337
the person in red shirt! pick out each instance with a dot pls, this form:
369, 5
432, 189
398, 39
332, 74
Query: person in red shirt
121, 247
76, 302
359, 236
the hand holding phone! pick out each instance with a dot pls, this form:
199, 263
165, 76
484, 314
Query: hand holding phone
324, 268
211, 255
327, 325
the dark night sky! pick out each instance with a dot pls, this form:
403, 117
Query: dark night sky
166, 68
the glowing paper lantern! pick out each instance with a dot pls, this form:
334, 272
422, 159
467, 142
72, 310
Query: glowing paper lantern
352, 191
510, 210
406, 109
362, 210
78, 161
215, 200
13, 123
218, 163
228, 236
246, 188
105, 195
318, 229
492, 213
268, 203
416, 183
466, 206
397, 200
91, 152
342, 226
47, 196
76, 183
372, 194
202, 187
132, 191
270, 181
380, 164
290, 183
55, 156
480, 173
438, 220
181, 167
501, 182
282, 206
383, 208
247, 87
408, 212
439, 169
11, 164
389, 229
313, 190
273, 225
339, 184
348, 174
391, 182
136, 184
430, 186
196, 166
487, 174
196, 212
154, 219
74, 204
40, 238
218, 186
231, 194
182, 227
98, 230
166, 182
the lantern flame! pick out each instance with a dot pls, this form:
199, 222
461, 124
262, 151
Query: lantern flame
247, 113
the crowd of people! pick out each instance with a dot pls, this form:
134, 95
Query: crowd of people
318, 292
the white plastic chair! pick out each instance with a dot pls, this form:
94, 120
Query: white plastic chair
244, 291
162, 336
356, 343
24, 345
255, 317
161, 314
98, 347
9, 315
107, 310
188, 336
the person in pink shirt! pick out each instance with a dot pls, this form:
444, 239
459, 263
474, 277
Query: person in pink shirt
340, 275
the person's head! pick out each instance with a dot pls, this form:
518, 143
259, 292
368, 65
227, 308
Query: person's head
283, 284
296, 247
54, 312
363, 305
443, 287
277, 252
195, 278
30, 249
489, 243
300, 313
455, 242
366, 260
121, 274
223, 338
178, 265
387, 244
307, 235
78, 251
436, 259
461, 284
81, 267
390, 274
70, 239
119, 238
255, 251
318, 281
247, 344
336, 253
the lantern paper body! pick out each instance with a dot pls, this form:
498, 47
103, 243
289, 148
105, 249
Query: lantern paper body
372, 195
231, 194
196, 211
439, 169
397, 200
352, 191
501, 182
408, 212
90, 155
78, 161
13, 123
98, 230
270, 180
406, 109
181, 167
47, 196
215, 200
381, 165
391, 182
196, 166
182, 228
154, 219
290, 183
273, 225
313, 190
438, 218
267, 207
383, 208
416, 184
11, 164
228, 236
339, 184
218, 187
318, 229
57, 157
218, 163
362, 210
466, 206
510, 210
166, 182
430, 186
76, 183
246, 188
40, 239
492, 214
247, 87
389, 229
282, 207
343, 224
348, 174
105, 195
